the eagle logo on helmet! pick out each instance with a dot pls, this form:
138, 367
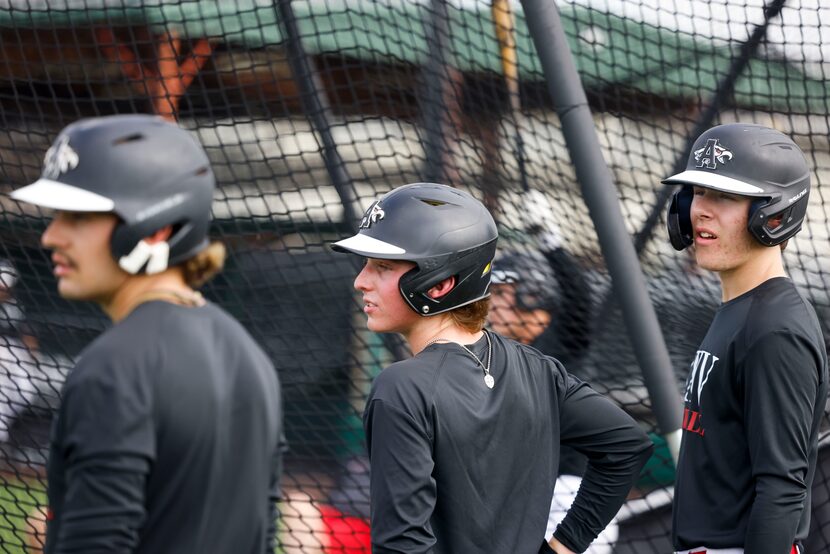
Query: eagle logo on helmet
374, 214
710, 155
59, 159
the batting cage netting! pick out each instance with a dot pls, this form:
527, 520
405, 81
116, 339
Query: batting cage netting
311, 109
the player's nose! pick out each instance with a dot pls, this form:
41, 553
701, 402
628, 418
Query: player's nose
361, 282
701, 206
53, 237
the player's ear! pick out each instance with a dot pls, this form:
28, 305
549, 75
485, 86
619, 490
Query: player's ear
442, 288
161, 235
775, 221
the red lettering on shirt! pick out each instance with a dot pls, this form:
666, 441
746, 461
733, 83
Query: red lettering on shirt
692, 422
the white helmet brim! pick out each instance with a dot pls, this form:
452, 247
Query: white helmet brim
60, 196
364, 245
714, 181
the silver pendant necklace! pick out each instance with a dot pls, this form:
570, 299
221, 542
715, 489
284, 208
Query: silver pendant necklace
488, 379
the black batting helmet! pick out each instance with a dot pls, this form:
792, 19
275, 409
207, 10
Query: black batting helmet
445, 231
747, 160
148, 172
531, 274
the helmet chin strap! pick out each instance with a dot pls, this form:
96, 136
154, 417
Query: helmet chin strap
156, 256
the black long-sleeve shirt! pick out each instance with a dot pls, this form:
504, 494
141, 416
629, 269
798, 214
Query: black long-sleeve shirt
753, 403
168, 439
458, 467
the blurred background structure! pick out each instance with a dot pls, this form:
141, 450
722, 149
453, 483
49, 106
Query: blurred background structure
310, 109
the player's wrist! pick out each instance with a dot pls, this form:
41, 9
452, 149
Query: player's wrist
546, 548
556, 547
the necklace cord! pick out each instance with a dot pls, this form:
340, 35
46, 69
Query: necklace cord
192, 300
488, 379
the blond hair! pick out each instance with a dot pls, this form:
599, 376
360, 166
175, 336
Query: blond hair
202, 267
472, 317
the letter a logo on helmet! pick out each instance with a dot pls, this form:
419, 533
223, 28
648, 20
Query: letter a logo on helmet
372, 215
710, 155
59, 159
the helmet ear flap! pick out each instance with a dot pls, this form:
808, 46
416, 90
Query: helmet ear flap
756, 205
679, 218
471, 269
408, 285
134, 255
121, 242
788, 220
126, 240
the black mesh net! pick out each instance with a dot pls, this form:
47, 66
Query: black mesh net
310, 110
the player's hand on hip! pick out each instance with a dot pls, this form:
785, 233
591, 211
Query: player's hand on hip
558, 547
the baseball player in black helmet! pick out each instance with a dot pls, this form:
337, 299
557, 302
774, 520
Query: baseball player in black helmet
525, 293
168, 434
758, 383
464, 437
